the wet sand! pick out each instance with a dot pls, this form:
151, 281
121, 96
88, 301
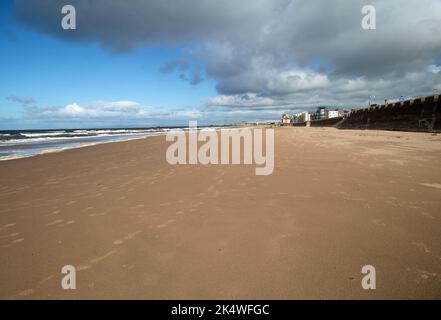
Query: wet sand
136, 227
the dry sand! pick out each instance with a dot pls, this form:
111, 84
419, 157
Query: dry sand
136, 227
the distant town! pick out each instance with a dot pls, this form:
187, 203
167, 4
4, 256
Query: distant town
414, 114
321, 113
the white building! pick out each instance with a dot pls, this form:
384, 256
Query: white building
305, 116
332, 114
286, 119
302, 117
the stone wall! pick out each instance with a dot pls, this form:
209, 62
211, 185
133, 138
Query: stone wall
299, 124
422, 114
331, 122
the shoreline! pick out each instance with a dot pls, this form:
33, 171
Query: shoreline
62, 149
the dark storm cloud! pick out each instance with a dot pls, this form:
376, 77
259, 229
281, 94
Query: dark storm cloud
284, 53
123, 25
194, 77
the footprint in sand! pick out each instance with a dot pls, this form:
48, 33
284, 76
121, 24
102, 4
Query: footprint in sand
13, 242
99, 259
432, 185
421, 246
52, 182
378, 222
165, 225
86, 266
7, 226
427, 215
52, 213
10, 235
127, 237
97, 214
165, 204
26, 293
83, 267
423, 275
45, 279
197, 204
54, 222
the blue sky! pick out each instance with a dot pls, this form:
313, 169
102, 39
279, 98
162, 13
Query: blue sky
56, 73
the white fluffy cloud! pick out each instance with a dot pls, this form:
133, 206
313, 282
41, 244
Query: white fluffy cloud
100, 109
434, 69
341, 92
106, 110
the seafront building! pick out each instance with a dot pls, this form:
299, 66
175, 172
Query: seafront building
321, 113
287, 119
421, 114
332, 114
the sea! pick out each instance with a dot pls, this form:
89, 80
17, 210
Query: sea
26, 143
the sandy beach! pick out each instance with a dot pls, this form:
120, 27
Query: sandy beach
136, 227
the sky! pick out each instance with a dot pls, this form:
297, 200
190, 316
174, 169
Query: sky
141, 63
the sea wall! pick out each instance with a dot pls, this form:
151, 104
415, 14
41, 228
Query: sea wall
422, 114
331, 122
